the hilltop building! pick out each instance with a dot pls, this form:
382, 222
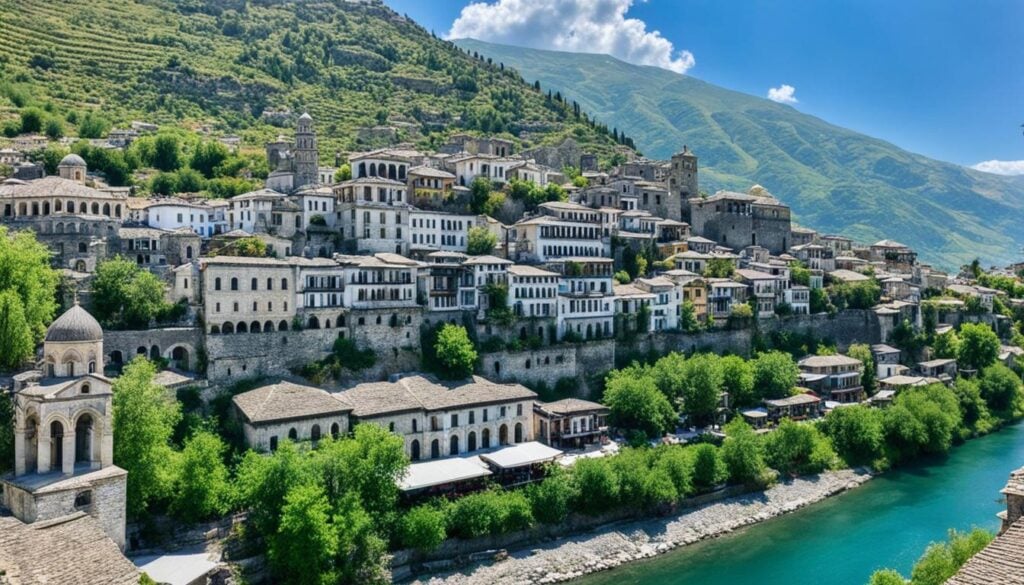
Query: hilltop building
294, 165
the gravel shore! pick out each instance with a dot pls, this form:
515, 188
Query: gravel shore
570, 558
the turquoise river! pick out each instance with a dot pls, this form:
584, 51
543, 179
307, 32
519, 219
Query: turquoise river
887, 522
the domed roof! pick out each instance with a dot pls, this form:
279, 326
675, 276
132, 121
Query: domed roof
72, 160
76, 324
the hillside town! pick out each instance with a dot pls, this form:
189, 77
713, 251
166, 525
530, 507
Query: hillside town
330, 299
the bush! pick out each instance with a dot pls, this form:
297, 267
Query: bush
455, 352
856, 433
596, 486
551, 498
709, 470
775, 374
1001, 389
743, 453
423, 528
637, 404
489, 513
797, 448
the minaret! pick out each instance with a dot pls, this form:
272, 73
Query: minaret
307, 158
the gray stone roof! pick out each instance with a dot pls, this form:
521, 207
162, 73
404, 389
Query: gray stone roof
57, 187
72, 550
427, 393
1001, 562
72, 160
286, 401
76, 324
571, 405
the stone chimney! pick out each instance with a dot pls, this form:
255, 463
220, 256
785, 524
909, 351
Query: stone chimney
1014, 492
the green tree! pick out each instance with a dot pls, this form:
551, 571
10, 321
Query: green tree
16, 342
344, 173
264, 481
423, 528
251, 247
979, 346
743, 453
708, 468
688, 318
947, 345
921, 420
636, 404
551, 498
596, 486
167, 153
869, 377
144, 420
775, 374
201, 488
54, 129
856, 433
50, 157
25, 269
304, 547
164, 184
480, 193
125, 295
32, 120
796, 448
189, 180
941, 560
93, 125
669, 373
480, 241
887, 577
207, 156
455, 352
622, 277
1001, 388
738, 381
719, 268
973, 407
702, 387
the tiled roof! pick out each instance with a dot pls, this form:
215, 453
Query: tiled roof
523, 270
57, 187
824, 361
1001, 562
72, 550
426, 393
286, 401
571, 405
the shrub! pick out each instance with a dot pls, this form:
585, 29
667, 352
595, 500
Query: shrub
796, 448
709, 470
423, 528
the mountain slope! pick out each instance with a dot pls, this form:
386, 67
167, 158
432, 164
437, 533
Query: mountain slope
221, 63
835, 179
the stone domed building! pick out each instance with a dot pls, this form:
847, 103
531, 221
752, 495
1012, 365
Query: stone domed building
73, 168
64, 433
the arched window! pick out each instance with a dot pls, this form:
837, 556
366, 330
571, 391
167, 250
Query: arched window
83, 247
282, 326
518, 437
435, 449
485, 439
241, 327
216, 283
255, 327
313, 322
414, 449
335, 430
229, 328
453, 447
273, 443
255, 284
503, 435
293, 434
268, 327
284, 284
471, 441
314, 434
234, 283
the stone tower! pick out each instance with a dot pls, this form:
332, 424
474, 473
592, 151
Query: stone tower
307, 158
64, 433
682, 180
73, 168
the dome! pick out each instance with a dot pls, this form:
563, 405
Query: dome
76, 324
72, 160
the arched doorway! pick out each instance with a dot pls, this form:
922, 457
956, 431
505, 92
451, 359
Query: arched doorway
314, 434
518, 435
335, 430
116, 357
179, 356
293, 434
503, 435
485, 439
154, 353
84, 443
32, 444
56, 445
80, 266
471, 441
414, 450
313, 322
435, 449
453, 445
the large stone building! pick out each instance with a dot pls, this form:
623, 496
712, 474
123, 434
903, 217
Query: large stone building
63, 433
294, 165
738, 220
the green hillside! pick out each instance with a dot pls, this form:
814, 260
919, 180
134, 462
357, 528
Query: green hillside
218, 64
835, 179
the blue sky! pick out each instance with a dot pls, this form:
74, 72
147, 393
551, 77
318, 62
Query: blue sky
938, 77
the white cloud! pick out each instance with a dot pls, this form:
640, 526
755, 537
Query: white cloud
784, 94
578, 26
1001, 167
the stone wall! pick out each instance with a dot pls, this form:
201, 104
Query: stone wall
123, 346
547, 364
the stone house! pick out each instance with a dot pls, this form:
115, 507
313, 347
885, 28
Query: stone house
736, 220
374, 214
694, 289
764, 287
723, 296
532, 291
570, 423
895, 255
386, 163
170, 213
943, 369
836, 377
438, 230
430, 186
276, 412
438, 419
586, 304
887, 360
666, 302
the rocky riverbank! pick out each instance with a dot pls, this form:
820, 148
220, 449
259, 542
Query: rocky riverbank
569, 558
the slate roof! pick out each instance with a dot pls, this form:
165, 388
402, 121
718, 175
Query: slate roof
1002, 561
427, 393
76, 324
72, 550
286, 401
824, 361
570, 406
57, 187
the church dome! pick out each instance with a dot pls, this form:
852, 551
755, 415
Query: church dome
72, 160
76, 324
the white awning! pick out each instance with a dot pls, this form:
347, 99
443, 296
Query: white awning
442, 471
521, 455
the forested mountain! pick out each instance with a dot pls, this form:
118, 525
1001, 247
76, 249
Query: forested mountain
835, 179
218, 65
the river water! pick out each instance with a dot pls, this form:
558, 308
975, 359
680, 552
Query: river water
887, 522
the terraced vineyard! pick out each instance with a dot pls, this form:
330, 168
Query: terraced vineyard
220, 64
